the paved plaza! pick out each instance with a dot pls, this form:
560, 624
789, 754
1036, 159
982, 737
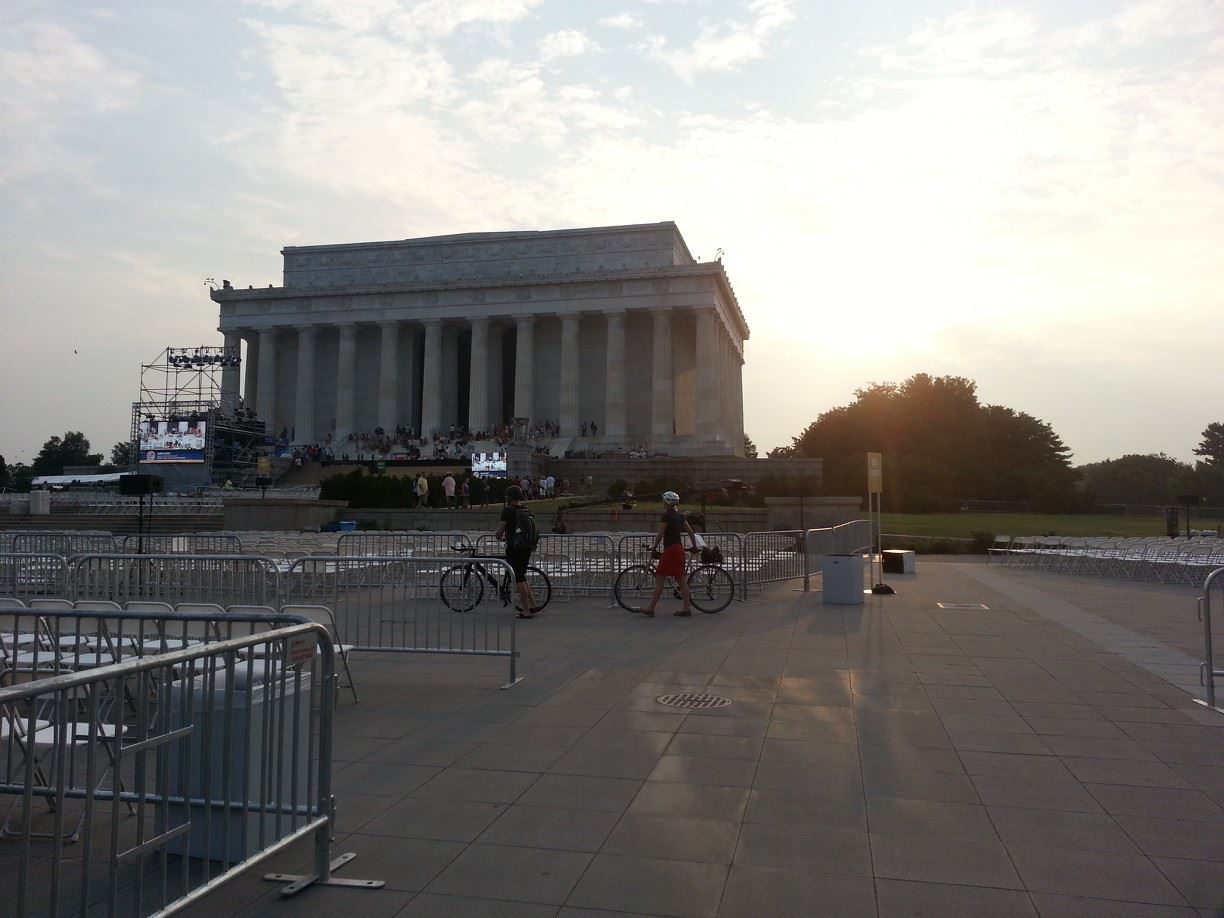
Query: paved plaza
1031, 758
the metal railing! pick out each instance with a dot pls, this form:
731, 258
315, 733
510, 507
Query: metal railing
1208, 674
845, 539
61, 543
173, 771
222, 579
192, 543
399, 544
396, 604
33, 574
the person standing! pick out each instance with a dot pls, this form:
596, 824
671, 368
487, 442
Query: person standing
670, 534
448, 488
422, 490
518, 530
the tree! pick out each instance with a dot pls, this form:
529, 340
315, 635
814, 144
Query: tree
750, 448
1212, 446
1134, 479
4, 474
72, 449
121, 454
941, 445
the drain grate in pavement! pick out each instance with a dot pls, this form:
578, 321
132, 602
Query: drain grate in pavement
963, 605
693, 700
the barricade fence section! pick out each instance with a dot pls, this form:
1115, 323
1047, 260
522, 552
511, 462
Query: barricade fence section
173, 772
400, 544
49, 640
63, 543
449, 604
770, 557
225, 580
1208, 673
32, 575
582, 564
204, 543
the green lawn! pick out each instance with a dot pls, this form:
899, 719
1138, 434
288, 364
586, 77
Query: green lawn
961, 525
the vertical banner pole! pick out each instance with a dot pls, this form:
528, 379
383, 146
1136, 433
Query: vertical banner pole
875, 492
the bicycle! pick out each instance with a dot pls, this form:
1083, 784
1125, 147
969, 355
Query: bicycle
710, 586
462, 586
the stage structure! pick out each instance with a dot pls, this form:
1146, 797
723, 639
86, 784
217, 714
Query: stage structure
182, 427
608, 338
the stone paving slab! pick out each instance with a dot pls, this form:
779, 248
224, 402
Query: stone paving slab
1038, 757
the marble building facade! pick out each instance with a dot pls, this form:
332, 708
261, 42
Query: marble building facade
619, 327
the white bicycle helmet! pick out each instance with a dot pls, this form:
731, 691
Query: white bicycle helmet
671, 497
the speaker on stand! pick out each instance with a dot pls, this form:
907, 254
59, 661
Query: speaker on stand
140, 484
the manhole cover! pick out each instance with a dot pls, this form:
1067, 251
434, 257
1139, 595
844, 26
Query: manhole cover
963, 605
693, 700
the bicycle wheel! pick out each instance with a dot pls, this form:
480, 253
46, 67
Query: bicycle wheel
711, 587
634, 586
541, 589
462, 588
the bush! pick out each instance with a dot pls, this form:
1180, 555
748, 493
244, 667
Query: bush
617, 488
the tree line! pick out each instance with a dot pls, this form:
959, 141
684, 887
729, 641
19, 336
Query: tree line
942, 446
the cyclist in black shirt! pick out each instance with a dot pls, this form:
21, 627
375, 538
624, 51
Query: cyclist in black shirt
518, 556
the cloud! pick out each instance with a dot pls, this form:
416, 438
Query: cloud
625, 21
51, 81
726, 45
566, 43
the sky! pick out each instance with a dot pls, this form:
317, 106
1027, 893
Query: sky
1027, 194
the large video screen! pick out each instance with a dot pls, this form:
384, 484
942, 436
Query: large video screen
489, 465
172, 441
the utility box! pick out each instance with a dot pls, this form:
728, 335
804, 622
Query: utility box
265, 754
898, 561
842, 580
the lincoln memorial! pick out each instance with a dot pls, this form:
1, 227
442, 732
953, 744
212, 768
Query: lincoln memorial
616, 330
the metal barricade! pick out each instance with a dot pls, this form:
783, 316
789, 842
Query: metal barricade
769, 557
1208, 674
174, 772
191, 543
222, 579
634, 548
582, 564
32, 575
399, 544
450, 604
63, 543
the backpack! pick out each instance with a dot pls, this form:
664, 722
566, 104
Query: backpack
526, 533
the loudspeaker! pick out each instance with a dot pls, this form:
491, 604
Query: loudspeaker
132, 485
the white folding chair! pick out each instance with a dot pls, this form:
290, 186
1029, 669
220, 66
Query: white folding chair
323, 615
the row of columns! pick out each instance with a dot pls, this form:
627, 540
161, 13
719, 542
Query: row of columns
718, 376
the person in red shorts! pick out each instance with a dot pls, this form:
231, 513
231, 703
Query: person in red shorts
672, 526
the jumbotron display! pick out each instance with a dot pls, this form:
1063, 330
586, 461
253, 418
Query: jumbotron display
173, 441
489, 465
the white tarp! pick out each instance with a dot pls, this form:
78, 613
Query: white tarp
53, 480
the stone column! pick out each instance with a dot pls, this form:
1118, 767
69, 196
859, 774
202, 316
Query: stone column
304, 417
431, 388
570, 375
478, 378
250, 386
524, 358
266, 399
229, 374
346, 382
614, 413
450, 377
662, 385
388, 377
707, 373
737, 400
496, 401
